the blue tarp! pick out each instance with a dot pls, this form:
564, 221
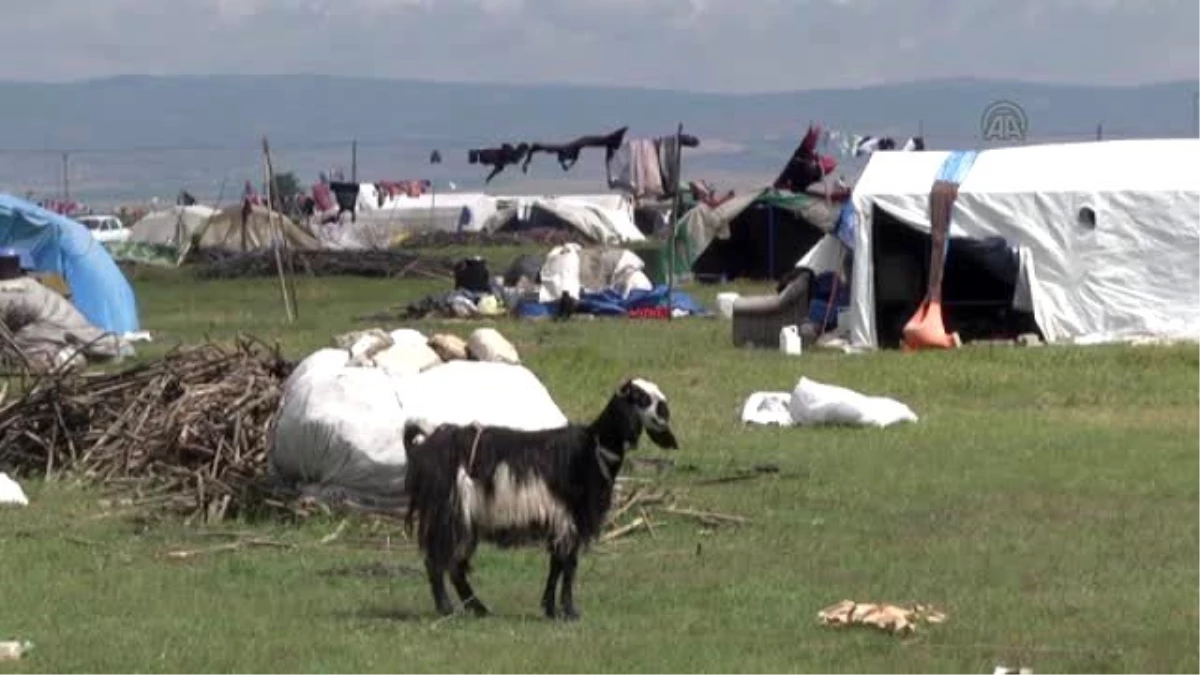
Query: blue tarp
51, 243
818, 306
610, 303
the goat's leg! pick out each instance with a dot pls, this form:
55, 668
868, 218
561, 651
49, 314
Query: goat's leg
437, 584
548, 595
458, 577
569, 563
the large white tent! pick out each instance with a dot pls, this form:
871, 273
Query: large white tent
1106, 232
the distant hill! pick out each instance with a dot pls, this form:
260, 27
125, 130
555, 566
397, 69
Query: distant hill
133, 137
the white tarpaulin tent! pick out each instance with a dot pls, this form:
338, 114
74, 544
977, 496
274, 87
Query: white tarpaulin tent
1134, 274
599, 222
171, 226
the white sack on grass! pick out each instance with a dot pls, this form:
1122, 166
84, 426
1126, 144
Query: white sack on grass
11, 493
340, 428
812, 403
407, 359
487, 344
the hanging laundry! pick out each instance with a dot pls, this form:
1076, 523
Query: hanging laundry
869, 144
568, 153
667, 147
634, 168
806, 166
323, 196
498, 158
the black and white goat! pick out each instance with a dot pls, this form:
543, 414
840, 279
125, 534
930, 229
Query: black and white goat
514, 488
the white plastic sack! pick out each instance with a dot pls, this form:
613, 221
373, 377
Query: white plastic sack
340, 428
11, 493
487, 344
813, 403
816, 403
400, 360
560, 273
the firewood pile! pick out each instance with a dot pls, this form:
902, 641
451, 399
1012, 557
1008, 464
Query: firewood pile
187, 433
544, 236
216, 264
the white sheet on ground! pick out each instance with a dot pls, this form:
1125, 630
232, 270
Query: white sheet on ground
340, 429
813, 403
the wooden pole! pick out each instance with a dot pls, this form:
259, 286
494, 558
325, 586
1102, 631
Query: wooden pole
1100, 131
66, 181
278, 243
676, 162
354, 161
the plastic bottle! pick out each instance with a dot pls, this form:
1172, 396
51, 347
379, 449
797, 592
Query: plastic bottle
789, 340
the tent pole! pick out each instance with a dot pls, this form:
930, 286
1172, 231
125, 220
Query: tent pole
283, 286
677, 162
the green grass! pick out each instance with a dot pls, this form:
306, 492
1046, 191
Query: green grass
1047, 500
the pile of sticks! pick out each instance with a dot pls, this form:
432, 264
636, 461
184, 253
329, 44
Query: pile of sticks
187, 433
368, 263
637, 502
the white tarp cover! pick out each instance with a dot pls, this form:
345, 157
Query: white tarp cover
340, 432
570, 268
598, 222
165, 226
1136, 274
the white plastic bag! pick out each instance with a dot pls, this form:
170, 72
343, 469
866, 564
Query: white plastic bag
487, 344
815, 403
11, 493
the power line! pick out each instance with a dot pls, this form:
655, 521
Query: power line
338, 144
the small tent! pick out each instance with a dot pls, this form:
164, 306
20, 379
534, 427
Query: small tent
171, 227
757, 235
1092, 241
596, 222
50, 243
233, 230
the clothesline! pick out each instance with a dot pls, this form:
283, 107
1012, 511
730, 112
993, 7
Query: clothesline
847, 145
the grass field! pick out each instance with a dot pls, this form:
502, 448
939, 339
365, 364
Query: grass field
1047, 501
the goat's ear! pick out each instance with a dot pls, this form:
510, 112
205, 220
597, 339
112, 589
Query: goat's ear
626, 389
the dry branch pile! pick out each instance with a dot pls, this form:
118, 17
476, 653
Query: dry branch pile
638, 501
187, 432
216, 264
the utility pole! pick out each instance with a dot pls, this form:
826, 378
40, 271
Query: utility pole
1100, 131
66, 177
354, 161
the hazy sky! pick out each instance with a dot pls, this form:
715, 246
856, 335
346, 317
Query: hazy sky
719, 45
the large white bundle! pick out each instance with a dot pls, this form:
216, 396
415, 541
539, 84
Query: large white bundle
340, 429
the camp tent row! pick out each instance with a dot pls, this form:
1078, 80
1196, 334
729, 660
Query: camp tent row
1096, 241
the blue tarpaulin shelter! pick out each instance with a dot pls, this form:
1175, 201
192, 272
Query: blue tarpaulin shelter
50, 243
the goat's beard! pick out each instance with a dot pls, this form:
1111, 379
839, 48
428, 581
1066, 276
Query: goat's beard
663, 438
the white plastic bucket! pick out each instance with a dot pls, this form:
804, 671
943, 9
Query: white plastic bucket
725, 304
